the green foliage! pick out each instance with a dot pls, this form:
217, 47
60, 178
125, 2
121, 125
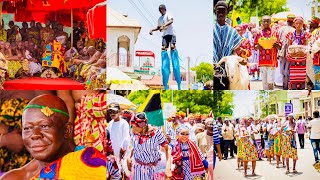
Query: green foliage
197, 101
204, 72
247, 8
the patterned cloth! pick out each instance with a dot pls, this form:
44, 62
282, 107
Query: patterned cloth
267, 57
246, 46
289, 148
147, 155
91, 120
250, 152
10, 115
87, 163
34, 68
239, 148
186, 166
277, 145
259, 148
112, 169
225, 40
13, 68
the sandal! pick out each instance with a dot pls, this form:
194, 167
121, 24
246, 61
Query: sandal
245, 174
295, 171
287, 172
253, 174
277, 166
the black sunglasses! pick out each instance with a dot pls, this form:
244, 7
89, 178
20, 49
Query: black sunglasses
111, 111
141, 116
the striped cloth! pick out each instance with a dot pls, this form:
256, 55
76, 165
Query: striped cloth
186, 162
216, 139
113, 170
225, 40
147, 153
297, 78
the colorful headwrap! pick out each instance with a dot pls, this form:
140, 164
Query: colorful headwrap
182, 127
291, 17
298, 18
315, 19
139, 120
128, 114
181, 114
47, 111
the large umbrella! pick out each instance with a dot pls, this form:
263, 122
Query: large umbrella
136, 85
116, 76
124, 102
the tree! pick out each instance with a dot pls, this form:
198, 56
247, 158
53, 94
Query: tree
223, 103
247, 8
204, 72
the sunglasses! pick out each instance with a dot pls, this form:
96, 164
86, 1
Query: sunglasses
184, 134
141, 116
210, 125
111, 111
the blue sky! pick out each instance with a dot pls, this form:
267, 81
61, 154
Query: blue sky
192, 22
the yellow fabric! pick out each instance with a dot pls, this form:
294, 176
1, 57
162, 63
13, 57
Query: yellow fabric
3, 35
73, 168
234, 17
13, 68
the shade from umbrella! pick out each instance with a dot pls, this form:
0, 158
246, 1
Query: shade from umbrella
116, 76
124, 102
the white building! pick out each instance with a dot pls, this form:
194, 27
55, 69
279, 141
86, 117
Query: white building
122, 34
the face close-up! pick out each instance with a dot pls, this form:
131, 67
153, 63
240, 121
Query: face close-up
162, 11
266, 21
298, 25
221, 13
184, 135
114, 114
42, 136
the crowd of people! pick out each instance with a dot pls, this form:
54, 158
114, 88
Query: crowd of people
254, 139
181, 149
23, 51
278, 65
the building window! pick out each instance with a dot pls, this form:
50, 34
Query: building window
317, 103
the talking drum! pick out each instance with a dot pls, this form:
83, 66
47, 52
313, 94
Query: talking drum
297, 56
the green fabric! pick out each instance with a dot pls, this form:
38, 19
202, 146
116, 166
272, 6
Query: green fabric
40, 107
155, 117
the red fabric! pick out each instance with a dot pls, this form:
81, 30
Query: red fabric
54, 5
196, 165
37, 83
268, 57
97, 21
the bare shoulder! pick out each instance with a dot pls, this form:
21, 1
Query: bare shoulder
25, 172
15, 174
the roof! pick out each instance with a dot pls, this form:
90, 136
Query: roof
116, 19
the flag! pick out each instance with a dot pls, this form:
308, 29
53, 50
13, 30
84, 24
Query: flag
210, 114
153, 109
235, 18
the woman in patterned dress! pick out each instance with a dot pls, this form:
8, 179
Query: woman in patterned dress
289, 147
146, 142
239, 144
277, 141
250, 152
189, 162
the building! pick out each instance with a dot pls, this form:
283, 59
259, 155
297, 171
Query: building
122, 34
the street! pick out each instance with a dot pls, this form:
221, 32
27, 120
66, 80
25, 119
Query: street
257, 85
226, 169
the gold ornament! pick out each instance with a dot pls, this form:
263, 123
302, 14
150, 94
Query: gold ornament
47, 111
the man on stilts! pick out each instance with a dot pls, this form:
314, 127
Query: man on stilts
165, 25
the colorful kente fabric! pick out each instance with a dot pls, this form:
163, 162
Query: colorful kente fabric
268, 57
13, 68
54, 56
245, 46
10, 115
91, 120
85, 164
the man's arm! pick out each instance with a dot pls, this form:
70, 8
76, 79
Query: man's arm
15, 174
167, 24
155, 29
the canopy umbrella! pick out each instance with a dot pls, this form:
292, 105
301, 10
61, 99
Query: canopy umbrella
97, 21
116, 76
282, 16
124, 102
136, 85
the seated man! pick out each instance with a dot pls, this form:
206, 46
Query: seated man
47, 135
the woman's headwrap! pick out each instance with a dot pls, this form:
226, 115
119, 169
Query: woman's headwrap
139, 120
128, 114
298, 18
181, 128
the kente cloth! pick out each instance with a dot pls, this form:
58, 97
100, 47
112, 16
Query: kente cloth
25, 65
91, 120
10, 115
85, 164
259, 148
13, 68
84, 72
113, 169
225, 40
54, 56
3, 35
267, 57
193, 166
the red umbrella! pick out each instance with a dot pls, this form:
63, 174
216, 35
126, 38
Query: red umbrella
54, 5
97, 21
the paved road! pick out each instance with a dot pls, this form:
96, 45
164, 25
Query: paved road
226, 169
257, 85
